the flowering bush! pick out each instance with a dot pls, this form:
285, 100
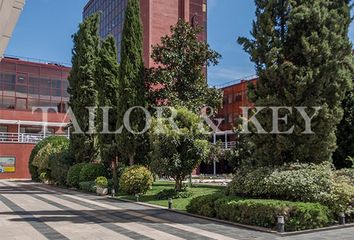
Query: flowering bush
136, 180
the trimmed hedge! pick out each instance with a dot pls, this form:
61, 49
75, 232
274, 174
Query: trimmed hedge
73, 178
262, 213
172, 193
91, 171
204, 205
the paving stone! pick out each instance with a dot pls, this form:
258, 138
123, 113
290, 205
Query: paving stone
51, 213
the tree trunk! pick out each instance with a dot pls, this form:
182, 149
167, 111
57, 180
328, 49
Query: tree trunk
178, 186
115, 177
131, 160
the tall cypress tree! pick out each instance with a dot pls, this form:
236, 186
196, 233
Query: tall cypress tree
302, 54
107, 87
345, 134
132, 89
82, 88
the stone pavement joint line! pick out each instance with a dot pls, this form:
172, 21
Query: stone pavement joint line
131, 216
36, 223
47, 212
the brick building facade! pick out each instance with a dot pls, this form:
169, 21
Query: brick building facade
157, 17
25, 85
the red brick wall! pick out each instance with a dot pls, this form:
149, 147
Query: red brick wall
232, 110
22, 153
159, 15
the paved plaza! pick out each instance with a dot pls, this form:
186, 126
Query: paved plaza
31, 211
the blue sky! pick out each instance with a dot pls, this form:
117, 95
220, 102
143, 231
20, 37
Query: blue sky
45, 27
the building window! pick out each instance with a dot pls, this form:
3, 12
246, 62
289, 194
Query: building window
4, 129
21, 79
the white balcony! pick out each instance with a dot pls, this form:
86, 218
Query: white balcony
228, 145
24, 138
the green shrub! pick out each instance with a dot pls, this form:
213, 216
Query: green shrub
341, 197
73, 177
136, 180
101, 182
204, 205
249, 182
293, 182
91, 171
296, 182
44, 177
89, 186
53, 140
346, 172
59, 164
172, 193
263, 213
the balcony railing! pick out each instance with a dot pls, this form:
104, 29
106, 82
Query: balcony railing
227, 145
24, 138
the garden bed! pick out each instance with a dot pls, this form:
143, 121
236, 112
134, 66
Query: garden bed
179, 203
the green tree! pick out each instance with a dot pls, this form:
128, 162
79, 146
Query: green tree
82, 87
177, 152
132, 89
302, 54
181, 73
107, 85
241, 155
342, 157
55, 146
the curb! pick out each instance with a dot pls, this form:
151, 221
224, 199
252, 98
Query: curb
259, 229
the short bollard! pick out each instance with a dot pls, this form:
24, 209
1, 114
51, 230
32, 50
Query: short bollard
281, 224
341, 218
170, 203
113, 193
137, 197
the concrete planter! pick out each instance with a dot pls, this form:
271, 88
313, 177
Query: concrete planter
101, 191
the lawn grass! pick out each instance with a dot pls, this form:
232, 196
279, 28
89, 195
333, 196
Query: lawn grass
180, 203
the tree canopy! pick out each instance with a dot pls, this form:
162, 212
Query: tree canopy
180, 77
302, 55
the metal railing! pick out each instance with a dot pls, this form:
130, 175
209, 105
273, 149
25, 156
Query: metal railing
24, 138
227, 145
